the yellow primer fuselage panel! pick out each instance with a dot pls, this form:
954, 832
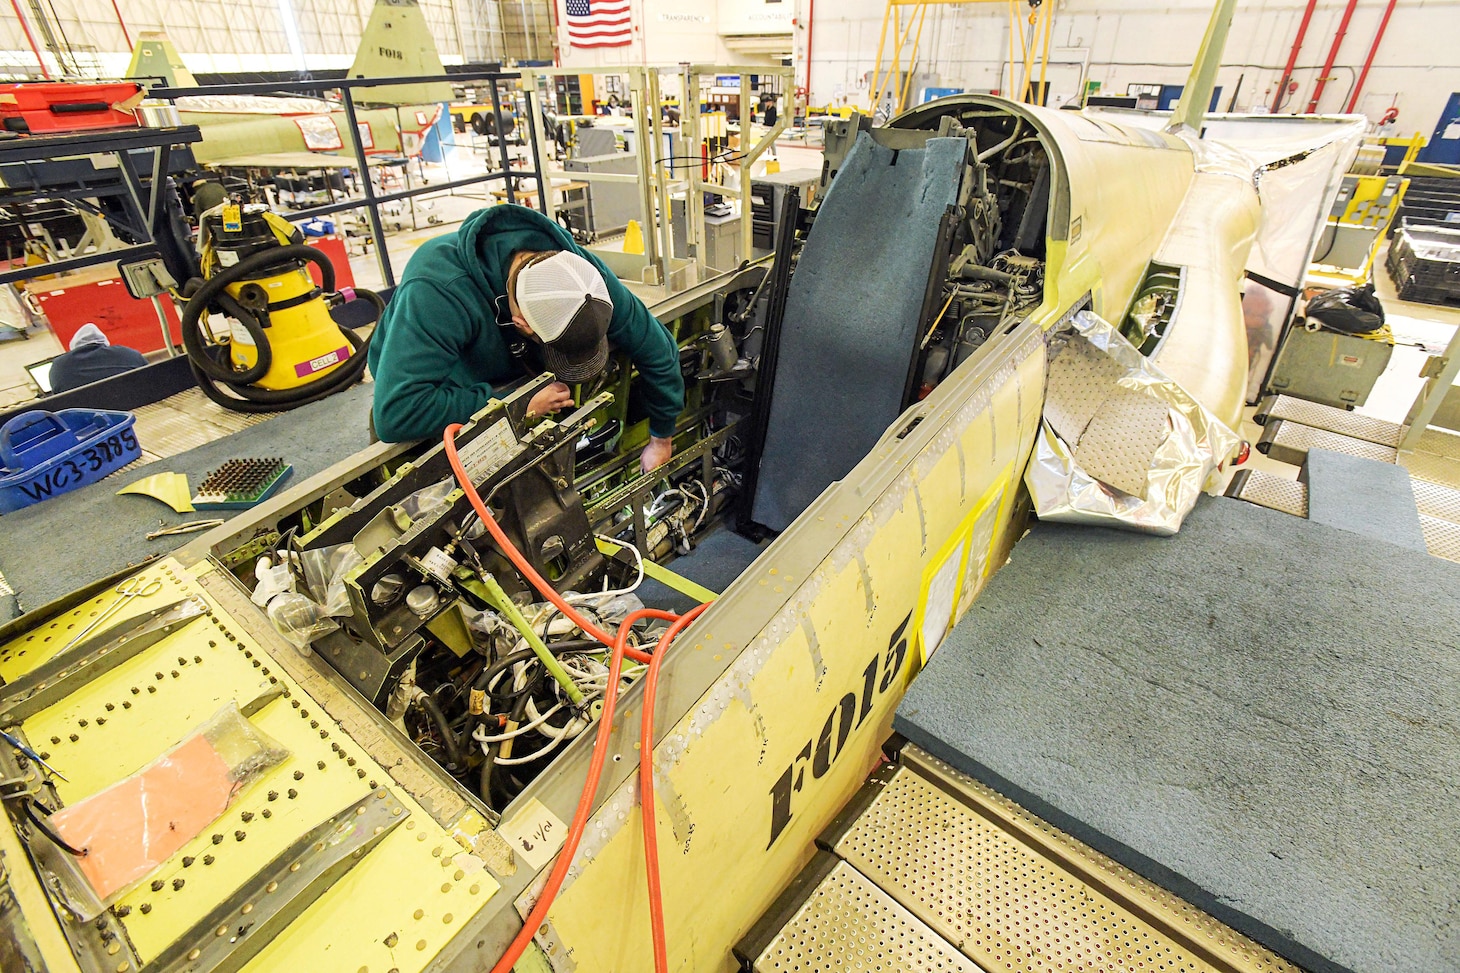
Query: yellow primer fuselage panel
395, 909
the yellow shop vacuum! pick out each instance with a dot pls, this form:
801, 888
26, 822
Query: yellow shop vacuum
257, 328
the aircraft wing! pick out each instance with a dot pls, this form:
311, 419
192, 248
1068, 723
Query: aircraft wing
295, 160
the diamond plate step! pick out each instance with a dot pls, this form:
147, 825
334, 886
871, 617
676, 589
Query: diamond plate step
1015, 894
1442, 537
1440, 443
1434, 500
848, 923
1271, 491
1328, 418
1288, 442
1432, 468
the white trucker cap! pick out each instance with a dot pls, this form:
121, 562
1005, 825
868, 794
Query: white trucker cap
565, 301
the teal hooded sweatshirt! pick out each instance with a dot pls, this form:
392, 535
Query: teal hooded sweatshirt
438, 354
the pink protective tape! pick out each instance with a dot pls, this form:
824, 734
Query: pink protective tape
136, 824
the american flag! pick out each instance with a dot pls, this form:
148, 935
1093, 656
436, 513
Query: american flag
599, 23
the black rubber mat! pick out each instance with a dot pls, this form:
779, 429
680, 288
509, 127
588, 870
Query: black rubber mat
852, 317
1258, 714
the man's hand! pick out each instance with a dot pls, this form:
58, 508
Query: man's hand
556, 396
657, 453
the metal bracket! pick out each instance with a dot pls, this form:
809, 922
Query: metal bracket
60, 676
243, 924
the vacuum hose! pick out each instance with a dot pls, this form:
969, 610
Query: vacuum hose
214, 373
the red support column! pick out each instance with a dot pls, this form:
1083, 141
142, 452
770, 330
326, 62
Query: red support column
1348, 13
1369, 61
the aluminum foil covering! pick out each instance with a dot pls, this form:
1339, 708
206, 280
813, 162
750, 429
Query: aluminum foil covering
1185, 463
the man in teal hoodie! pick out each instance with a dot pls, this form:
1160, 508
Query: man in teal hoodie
508, 295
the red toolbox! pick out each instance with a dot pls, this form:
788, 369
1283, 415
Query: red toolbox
58, 106
94, 296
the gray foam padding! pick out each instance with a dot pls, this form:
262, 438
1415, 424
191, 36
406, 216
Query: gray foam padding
55, 547
1258, 714
717, 560
852, 316
1363, 496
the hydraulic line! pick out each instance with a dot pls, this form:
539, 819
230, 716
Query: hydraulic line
507, 607
515, 556
590, 785
508, 661
619, 646
646, 789
432, 709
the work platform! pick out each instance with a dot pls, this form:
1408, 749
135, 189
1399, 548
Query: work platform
1231, 749
1293, 428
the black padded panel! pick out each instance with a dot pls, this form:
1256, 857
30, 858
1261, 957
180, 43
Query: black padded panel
852, 315
1257, 713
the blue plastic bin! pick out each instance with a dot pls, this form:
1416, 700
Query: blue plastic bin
45, 454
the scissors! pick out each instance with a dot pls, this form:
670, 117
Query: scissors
126, 591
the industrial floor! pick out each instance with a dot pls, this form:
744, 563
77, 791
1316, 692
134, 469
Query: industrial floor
1232, 749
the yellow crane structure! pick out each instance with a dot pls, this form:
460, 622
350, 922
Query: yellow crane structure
904, 21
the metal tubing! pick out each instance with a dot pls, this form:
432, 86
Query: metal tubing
1369, 61
1047, 13
372, 205
1277, 99
643, 137
658, 175
912, 60
502, 142
126, 34
529, 92
314, 87
747, 237
1348, 13
693, 143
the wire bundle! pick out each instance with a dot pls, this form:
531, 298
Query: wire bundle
612, 680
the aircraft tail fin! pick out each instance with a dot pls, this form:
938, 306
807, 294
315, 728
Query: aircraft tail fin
1191, 111
156, 57
397, 43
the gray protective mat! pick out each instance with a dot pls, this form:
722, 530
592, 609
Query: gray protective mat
1258, 714
852, 315
1363, 496
57, 546
718, 559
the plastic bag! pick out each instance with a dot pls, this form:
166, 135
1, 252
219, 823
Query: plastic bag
614, 608
273, 580
324, 571
428, 501
134, 826
487, 626
1186, 460
1349, 310
300, 620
